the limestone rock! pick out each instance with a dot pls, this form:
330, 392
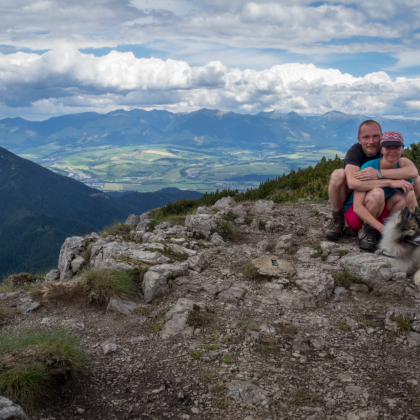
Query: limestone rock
305, 253
204, 210
371, 268
217, 239
247, 393
196, 263
262, 207
109, 346
125, 307
155, 281
225, 203
177, 317
71, 248
295, 299
359, 288
239, 210
413, 339
133, 220
200, 224
232, 294
271, 265
73, 324
77, 264
52, 275
286, 241
316, 282
11, 411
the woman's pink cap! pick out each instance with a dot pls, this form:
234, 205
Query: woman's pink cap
392, 138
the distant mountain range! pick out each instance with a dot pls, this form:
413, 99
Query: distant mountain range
39, 209
204, 128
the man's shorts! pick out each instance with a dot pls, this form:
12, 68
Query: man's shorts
355, 222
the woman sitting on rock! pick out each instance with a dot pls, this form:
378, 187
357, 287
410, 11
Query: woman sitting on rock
366, 211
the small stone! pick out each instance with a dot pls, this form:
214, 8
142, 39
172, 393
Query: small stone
351, 322
195, 410
80, 410
340, 292
412, 382
109, 346
413, 339
354, 389
359, 288
345, 377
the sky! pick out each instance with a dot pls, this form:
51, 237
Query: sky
61, 57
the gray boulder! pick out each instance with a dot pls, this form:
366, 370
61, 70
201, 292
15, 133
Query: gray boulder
286, 241
77, 264
225, 203
262, 207
405, 314
156, 280
52, 275
217, 239
271, 265
133, 220
11, 411
319, 284
200, 224
373, 269
125, 307
204, 210
196, 263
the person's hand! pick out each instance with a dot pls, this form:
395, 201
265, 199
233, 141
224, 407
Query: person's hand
367, 174
401, 183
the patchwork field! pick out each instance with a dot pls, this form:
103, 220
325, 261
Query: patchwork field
145, 168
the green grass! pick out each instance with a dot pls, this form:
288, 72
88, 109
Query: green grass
230, 217
227, 230
291, 250
218, 390
251, 325
176, 256
212, 347
155, 328
248, 220
195, 354
228, 359
33, 362
402, 323
270, 248
342, 326
249, 271
270, 348
3, 312
345, 279
120, 229
261, 224
415, 395
200, 317
303, 397
18, 281
103, 283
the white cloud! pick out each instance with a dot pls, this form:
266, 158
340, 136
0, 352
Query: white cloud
70, 81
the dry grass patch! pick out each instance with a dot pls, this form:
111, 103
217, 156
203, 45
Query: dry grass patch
200, 317
33, 363
118, 229
303, 397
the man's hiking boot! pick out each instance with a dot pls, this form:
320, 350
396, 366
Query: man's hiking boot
368, 237
336, 227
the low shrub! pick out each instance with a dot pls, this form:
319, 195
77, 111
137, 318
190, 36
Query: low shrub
120, 229
248, 220
251, 325
270, 248
249, 271
200, 317
103, 283
303, 397
226, 230
195, 354
32, 363
229, 216
18, 281
261, 224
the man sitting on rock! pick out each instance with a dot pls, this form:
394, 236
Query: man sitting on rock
352, 178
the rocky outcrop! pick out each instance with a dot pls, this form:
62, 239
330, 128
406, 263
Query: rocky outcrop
70, 250
156, 281
200, 224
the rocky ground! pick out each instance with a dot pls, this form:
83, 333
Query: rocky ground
290, 343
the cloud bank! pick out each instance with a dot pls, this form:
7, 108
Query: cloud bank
67, 79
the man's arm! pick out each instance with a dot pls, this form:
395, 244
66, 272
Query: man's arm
358, 185
407, 170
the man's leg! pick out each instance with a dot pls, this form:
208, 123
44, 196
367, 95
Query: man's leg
368, 237
337, 189
337, 192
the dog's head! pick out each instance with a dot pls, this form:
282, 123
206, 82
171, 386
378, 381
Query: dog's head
409, 226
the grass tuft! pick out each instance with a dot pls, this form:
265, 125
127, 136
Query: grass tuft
303, 396
261, 224
200, 317
402, 323
228, 359
155, 328
103, 283
34, 362
195, 354
342, 326
218, 390
212, 347
251, 326
344, 279
229, 216
3, 312
270, 248
120, 229
250, 271
176, 256
291, 250
248, 220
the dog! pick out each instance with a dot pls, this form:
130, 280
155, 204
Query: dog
401, 240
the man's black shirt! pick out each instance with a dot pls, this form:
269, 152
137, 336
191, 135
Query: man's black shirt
357, 157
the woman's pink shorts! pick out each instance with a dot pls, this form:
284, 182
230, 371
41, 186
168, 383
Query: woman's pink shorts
355, 222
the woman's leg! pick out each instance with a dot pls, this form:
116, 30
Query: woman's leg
398, 201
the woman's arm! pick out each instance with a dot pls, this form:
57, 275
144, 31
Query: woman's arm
360, 209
